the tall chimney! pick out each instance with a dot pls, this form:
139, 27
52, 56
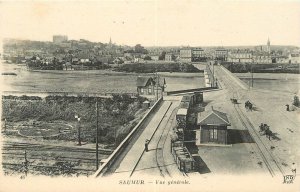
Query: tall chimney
212, 108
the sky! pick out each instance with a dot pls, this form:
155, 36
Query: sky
155, 22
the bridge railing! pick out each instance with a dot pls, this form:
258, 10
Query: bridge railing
113, 157
190, 90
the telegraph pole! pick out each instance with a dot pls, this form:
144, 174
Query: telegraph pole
26, 163
5, 122
213, 74
97, 132
78, 124
251, 76
157, 81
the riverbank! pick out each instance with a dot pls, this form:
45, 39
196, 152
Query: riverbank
262, 68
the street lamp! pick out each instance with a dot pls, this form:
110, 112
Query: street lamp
97, 132
78, 119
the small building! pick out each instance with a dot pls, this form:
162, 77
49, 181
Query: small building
145, 86
212, 128
169, 57
154, 57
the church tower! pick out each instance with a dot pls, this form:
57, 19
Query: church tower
268, 46
110, 43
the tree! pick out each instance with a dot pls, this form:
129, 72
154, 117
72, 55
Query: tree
162, 55
147, 58
140, 49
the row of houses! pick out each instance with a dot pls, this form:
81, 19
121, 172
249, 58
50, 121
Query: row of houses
192, 54
246, 56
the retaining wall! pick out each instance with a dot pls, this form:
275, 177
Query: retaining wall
112, 158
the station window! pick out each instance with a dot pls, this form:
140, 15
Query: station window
149, 90
213, 133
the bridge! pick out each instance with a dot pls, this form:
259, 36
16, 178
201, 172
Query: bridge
131, 160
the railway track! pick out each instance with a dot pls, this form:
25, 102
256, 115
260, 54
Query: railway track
8, 146
159, 158
44, 157
160, 161
267, 156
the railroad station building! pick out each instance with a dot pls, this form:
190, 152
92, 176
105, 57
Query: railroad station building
145, 85
212, 128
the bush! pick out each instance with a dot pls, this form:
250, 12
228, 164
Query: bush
151, 68
113, 113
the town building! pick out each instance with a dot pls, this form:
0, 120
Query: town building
294, 58
240, 56
262, 58
212, 128
169, 57
154, 57
186, 55
282, 59
221, 54
198, 54
60, 38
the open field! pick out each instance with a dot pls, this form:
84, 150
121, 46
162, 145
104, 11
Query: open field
46, 134
89, 81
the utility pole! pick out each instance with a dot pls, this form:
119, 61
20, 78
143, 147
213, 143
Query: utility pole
5, 122
213, 74
79, 139
26, 163
252, 75
115, 132
97, 132
157, 81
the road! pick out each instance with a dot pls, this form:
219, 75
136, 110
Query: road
240, 92
158, 161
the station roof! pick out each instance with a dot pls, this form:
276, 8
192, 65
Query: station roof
212, 117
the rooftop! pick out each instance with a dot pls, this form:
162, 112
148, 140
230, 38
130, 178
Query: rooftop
212, 117
142, 81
